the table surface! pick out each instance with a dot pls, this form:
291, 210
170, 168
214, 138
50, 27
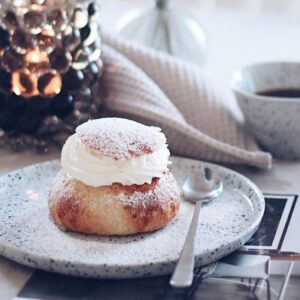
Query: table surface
283, 178
269, 37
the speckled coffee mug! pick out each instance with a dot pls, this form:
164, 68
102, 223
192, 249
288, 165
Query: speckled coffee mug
274, 121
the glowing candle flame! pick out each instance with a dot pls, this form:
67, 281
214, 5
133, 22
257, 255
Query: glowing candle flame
36, 57
50, 84
24, 83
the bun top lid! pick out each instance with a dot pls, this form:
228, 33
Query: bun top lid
120, 139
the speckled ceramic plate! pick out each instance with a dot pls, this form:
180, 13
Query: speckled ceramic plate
28, 235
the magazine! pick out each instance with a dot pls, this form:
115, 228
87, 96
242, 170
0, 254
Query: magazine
276, 228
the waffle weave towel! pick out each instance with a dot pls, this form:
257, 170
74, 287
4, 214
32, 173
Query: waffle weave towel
159, 89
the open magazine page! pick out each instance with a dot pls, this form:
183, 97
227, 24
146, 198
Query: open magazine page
276, 228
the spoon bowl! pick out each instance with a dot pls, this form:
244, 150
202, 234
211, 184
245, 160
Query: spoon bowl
192, 194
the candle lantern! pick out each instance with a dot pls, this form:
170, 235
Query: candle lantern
50, 66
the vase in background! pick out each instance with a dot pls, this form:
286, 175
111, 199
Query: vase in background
167, 29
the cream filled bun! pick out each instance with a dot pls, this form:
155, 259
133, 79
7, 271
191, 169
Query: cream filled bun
114, 179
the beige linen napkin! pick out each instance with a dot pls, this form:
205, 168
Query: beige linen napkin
159, 89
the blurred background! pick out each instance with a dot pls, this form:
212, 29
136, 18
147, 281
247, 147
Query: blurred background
239, 32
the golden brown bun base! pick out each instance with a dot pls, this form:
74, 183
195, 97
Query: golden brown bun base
114, 209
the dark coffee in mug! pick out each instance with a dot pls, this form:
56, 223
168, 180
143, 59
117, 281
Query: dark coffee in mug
284, 93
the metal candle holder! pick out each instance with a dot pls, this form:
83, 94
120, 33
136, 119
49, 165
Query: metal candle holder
49, 70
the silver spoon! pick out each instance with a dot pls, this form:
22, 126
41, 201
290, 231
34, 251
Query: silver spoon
201, 187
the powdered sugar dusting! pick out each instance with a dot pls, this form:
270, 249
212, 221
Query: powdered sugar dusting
165, 190
28, 235
120, 139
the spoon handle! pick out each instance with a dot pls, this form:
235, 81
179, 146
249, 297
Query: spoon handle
183, 274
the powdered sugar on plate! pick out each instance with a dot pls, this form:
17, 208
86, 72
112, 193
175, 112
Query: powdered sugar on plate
29, 236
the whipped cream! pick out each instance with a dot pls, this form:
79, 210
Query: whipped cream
79, 163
